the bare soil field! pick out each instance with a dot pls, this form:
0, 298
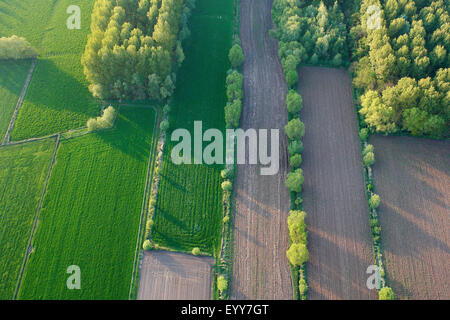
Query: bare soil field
412, 177
260, 266
175, 276
338, 224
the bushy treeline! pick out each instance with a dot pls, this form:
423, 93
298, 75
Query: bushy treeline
309, 32
403, 66
15, 47
235, 92
133, 47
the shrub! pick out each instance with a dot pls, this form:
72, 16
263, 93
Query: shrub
164, 126
294, 102
295, 129
105, 121
291, 78
226, 173
374, 201
227, 186
16, 47
233, 113
369, 159
166, 109
294, 180
149, 224
92, 125
364, 134
368, 148
222, 283
302, 287
298, 201
234, 86
196, 251
297, 254
295, 146
236, 56
147, 245
295, 161
226, 219
386, 293
297, 226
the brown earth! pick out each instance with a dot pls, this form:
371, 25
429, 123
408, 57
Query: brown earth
412, 177
337, 213
175, 276
260, 266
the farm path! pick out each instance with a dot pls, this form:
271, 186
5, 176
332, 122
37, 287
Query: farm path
260, 266
19, 102
339, 236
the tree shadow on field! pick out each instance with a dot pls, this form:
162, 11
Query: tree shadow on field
54, 89
412, 208
329, 280
128, 137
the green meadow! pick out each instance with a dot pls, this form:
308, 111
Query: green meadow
58, 98
23, 170
12, 79
91, 212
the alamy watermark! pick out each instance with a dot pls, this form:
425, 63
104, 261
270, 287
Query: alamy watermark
260, 150
374, 20
74, 20
74, 280
375, 280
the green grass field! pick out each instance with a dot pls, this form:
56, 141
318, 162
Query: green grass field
189, 207
91, 212
13, 76
57, 98
23, 169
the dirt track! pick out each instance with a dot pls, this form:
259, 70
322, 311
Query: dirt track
338, 223
412, 177
175, 276
261, 270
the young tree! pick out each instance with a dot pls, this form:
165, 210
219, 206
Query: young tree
369, 159
297, 254
386, 293
222, 284
294, 180
147, 245
294, 102
236, 56
233, 113
374, 201
196, 251
295, 129
295, 161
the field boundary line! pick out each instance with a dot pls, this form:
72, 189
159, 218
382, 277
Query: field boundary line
146, 196
19, 103
29, 247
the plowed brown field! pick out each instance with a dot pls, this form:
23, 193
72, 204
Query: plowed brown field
175, 276
338, 224
261, 269
412, 177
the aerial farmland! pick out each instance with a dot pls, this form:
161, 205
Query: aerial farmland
224, 150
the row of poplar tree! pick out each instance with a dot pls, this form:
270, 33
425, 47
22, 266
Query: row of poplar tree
134, 46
